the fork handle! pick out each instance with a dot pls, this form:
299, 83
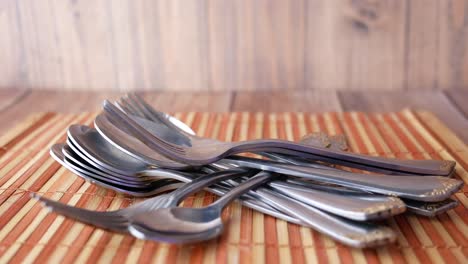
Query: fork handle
257, 180
428, 167
207, 180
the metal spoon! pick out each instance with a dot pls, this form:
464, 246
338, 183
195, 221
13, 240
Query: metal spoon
132, 146
100, 152
72, 157
156, 188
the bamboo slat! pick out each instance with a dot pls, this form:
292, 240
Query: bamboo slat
29, 233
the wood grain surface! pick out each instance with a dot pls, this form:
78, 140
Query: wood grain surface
435, 101
234, 45
460, 100
286, 101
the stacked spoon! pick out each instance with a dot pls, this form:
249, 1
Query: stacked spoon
137, 150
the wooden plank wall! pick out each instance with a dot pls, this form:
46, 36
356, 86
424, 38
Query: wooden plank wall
234, 45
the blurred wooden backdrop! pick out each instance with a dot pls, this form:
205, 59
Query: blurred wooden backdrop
234, 44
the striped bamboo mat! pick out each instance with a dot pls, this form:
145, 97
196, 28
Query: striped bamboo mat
29, 233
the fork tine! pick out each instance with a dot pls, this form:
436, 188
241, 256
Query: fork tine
106, 220
155, 113
120, 117
60, 207
126, 106
129, 99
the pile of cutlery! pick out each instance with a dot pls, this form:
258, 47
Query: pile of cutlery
137, 150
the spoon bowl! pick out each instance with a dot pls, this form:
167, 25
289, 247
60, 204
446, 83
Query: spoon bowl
142, 232
157, 187
100, 152
177, 225
132, 146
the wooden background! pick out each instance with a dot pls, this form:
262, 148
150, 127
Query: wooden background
234, 45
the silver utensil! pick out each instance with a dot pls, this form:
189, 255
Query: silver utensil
152, 119
118, 220
358, 206
135, 105
285, 155
429, 188
99, 152
430, 209
186, 225
132, 146
200, 151
356, 234
110, 136
155, 188
75, 158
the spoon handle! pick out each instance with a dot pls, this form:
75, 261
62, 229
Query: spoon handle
356, 234
259, 179
207, 180
250, 200
429, 188
356, 207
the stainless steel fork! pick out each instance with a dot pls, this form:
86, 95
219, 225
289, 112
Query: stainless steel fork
201, 151
118, 220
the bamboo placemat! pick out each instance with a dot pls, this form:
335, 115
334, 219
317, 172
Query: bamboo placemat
29, 233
